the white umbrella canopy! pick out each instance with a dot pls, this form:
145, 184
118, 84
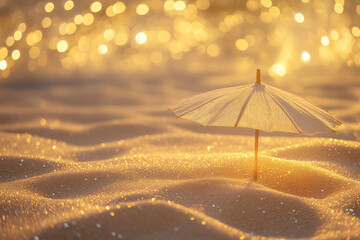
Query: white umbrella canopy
258, 106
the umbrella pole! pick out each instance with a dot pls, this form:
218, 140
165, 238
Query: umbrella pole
256, 153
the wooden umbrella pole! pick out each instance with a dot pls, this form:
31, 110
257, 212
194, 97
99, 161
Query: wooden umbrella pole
258, 81
256, 153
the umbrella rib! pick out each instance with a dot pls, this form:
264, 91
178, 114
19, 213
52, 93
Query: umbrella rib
316, 109
243, 108
283, 109
199, 106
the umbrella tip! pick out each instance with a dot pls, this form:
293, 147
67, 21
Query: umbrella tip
258, 76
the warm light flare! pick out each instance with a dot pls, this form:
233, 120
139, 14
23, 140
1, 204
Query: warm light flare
17, 35
68, 5
119, 7
179, 5
278, 69
62, 46
15, 54
265, 30
95, 7
102, 49
299, 17
109, 34
242, 44
3, 64
49, 7
305, 56
46, 22
338, 8
142, 9
325, 40
141, 38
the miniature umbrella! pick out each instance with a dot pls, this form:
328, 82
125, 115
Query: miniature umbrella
258, 106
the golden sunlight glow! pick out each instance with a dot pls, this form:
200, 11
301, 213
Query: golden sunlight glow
68, 5
213, 50
179, 5
88, 19
299, 17
338, 8
34, 52
169, 5
95, 7
46, 22
78, 19
33, 37
334, 35
265, 17
355, 31
202, 4
109, 11
22, 27
305, 56
62, 28
3, 64
325, 40
142, 9
241, 44
102, 49
181, 29
274, 11
53, 42
10, 41
109, 34
163, 36
141, 38
252, 5
70, 28
15, 54
266, 3
17, 35
121, 39
49, 7
62, 46
118, 7
278, 69
3, 52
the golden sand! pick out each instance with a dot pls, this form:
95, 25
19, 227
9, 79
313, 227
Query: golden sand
104, 160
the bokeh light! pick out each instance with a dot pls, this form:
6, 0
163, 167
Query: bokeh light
271, 32
62, 46
299, 17
3, 64
242, 44
179, 5
278, 69
305, 56
68, 5
142, 9
325, 40
15, 54
102, 49
96, 7
49, 7
141, 38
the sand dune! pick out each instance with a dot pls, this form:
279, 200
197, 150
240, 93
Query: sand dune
110, 162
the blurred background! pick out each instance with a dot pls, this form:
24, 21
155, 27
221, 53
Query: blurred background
234, 36
72, 56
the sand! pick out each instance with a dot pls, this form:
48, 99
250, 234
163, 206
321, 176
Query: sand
102, 158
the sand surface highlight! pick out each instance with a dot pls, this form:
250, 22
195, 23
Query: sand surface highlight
105, 160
